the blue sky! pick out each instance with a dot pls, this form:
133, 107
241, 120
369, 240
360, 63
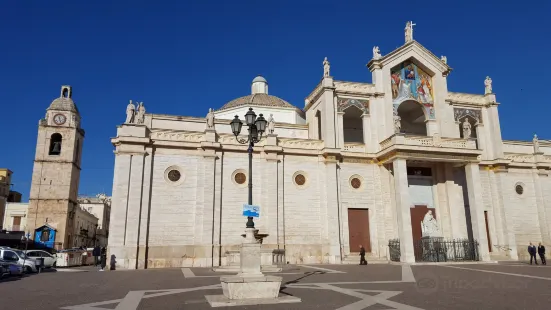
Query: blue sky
182, 57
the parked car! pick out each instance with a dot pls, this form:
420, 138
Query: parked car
49, 259
10, 268
19, 257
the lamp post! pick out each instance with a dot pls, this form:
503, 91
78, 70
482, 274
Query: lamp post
256, 127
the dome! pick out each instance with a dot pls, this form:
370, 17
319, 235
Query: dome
260, 79
64, 102
258, 100
258, 97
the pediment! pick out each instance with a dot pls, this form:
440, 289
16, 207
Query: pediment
414, 52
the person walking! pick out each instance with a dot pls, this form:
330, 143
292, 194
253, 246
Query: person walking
362, 256
532, 252
541, 252
103, 258
96, 252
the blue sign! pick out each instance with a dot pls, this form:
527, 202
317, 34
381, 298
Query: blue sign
252, 211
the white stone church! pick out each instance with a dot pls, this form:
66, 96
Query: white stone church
359, 164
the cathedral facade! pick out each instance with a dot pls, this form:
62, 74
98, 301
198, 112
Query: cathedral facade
358, 164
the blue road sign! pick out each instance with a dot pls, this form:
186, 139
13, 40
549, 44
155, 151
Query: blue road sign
253, 211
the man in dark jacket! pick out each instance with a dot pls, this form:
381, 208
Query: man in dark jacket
103, 258
541, 252
362, 256
96, 252
532, 252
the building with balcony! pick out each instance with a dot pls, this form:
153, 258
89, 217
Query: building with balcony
360, 164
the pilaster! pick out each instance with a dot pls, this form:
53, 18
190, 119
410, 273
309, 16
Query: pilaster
368, 139
474, 188
542, 216
403, 212
332, 209
340, 130
507, 223
455, 202
481, 140
432, 127
328, 113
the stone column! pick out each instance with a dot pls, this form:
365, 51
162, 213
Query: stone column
368, 140
542, 216
474, 188
403, 212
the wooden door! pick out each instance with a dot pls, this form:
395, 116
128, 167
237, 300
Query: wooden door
16, 223
488, 231
358, 230
417, 216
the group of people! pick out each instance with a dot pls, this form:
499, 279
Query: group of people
540, 250
100, 257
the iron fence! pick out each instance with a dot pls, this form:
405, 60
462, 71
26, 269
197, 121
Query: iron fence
438, 250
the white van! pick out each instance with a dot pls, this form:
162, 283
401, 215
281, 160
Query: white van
17, 256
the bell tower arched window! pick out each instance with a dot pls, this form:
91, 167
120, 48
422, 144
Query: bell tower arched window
55, 144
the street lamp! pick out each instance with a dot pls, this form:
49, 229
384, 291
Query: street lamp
257, 126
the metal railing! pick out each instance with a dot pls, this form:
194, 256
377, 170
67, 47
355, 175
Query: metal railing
438, 250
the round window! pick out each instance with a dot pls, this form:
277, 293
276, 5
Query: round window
300, 179
355, 183
174, 175
240, 178
519, 189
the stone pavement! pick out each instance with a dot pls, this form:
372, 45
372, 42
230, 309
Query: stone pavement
343, 287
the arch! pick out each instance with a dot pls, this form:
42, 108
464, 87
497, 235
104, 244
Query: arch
412, 116
55, 144
353, 124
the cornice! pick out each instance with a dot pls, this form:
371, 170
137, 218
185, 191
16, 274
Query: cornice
419, 50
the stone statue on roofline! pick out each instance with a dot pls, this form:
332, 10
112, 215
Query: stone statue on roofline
271, 124
141, 114
130, 113
376, 52
326, 67
210, 119
488, 85
408, 31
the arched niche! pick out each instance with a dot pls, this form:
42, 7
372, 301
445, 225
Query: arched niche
55, 144
353, 124
412, 117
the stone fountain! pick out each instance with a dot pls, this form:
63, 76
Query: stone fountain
250, 286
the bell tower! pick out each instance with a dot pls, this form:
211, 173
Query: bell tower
56, 171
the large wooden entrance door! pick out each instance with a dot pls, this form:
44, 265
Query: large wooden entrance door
417, 216
358, 229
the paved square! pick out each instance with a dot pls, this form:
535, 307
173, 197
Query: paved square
343, 287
